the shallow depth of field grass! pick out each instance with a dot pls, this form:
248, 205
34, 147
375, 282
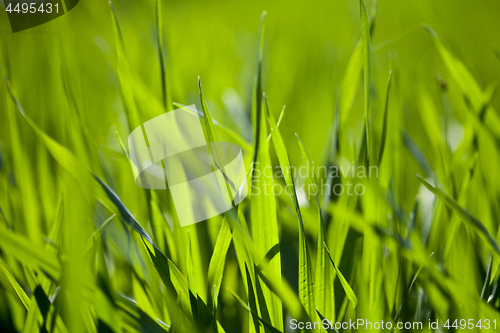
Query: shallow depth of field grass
408, 88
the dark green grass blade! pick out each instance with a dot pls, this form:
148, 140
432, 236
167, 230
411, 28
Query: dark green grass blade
29, 254
329, 329
224, 129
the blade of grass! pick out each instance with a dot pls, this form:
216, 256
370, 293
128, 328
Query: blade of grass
367, 64
11, 284
347, 288
97, 234
463, 213
323, 288
124, 76
263, 218
242, 303
167, 98
216, 266
383, 139
306, 278
29, 254
238, 139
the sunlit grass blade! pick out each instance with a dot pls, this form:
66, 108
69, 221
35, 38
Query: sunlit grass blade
417, 154
224, 129
216, 266
125, 214
214, 147
467, 83
124, 76
134, 318
269, 137
58, 151
347, 288
329, 329
351, 77
306, 278
463, 213
263, 218
323, 288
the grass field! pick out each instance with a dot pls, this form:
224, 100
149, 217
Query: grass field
405, 90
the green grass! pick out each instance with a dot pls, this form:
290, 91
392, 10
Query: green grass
83, 249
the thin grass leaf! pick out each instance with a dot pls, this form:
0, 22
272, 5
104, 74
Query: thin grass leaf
125, 214
347, 288
238, 139
216, 266
10, 284
29, 254
286, 294
282, 113
323, 288
417, 154
463, 213
97, 234
367, 65
330, 329
306, 278
487, 279
468, 85
215, 148
243, 304
383, 140
407, 294
351, 77
167, 98
67, 160
263, 218
5, 219
124, 76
